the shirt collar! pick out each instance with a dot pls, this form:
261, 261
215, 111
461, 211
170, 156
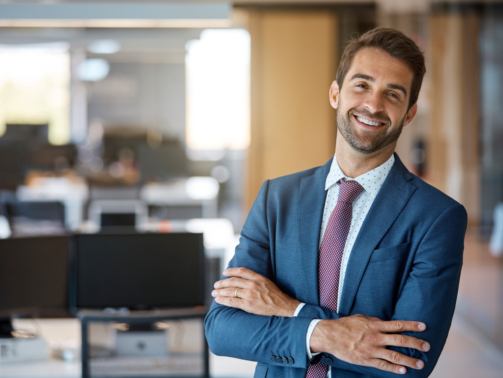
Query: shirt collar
371, 181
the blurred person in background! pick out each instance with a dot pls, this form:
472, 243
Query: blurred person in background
350, 269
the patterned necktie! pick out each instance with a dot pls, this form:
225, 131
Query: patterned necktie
331, 251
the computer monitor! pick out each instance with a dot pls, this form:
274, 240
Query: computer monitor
163, 163
138, 271
35, 132
34, 276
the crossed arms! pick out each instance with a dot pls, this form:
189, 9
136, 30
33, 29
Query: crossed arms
261, 321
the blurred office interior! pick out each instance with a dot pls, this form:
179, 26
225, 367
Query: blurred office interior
122, 118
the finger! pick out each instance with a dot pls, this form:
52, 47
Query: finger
232, 282
230, 302
405, 341
395, 326
243, 273
400, 359
229, 292
386, 366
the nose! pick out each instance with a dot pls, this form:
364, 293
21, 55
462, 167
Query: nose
374, 103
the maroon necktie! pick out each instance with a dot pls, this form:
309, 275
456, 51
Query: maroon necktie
331, 251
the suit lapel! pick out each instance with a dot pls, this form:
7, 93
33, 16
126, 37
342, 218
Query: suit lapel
390, 201
311, 203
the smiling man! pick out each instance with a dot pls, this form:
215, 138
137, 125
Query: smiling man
350, 269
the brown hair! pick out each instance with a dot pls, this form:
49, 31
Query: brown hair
397, 45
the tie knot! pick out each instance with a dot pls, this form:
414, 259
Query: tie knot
349, 190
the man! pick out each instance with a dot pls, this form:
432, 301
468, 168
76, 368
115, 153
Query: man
350, 269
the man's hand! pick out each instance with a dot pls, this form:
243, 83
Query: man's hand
362, 340
255, 295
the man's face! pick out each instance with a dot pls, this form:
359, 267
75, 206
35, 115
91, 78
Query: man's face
372, 103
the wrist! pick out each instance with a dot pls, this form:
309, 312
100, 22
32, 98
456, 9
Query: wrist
291, 308
317, 343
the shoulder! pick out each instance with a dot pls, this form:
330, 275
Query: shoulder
434, 200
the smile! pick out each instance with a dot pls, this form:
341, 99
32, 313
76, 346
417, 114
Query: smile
369, 122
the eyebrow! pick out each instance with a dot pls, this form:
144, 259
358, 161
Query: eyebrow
371, 79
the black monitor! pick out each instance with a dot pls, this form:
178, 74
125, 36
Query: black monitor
34, 276
138, 271
36, 132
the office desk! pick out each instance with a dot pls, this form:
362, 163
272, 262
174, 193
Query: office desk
220, 367
67, 332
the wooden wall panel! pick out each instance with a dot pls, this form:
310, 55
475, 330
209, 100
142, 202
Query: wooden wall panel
453, 135
293, 65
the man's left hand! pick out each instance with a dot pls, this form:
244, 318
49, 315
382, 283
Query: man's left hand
253, 293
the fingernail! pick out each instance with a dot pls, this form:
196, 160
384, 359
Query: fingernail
213, 293
402, 370
217, 284
420, 364
225, 271
422, 327
426, 347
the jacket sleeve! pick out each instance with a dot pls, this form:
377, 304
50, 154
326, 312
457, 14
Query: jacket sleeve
429, 294
235, 333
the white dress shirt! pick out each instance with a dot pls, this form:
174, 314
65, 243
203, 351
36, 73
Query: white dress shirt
371, 183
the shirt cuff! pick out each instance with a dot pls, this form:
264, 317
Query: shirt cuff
310, 330
297, 310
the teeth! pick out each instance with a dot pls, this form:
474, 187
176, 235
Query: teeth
367, 122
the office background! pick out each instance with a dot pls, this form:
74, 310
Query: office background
166, 117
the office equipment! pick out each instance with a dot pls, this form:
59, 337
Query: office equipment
14, 350
138, 271
14, 159
33, 278
114, 215
29, 218
162, 163
32, 132
190, 358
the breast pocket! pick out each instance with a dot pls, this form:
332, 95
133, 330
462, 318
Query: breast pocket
379, 285
389, 253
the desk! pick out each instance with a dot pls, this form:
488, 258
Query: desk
59, 331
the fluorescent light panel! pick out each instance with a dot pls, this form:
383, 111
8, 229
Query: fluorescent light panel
116, 15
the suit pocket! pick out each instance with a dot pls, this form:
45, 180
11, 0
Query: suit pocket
389, 253
261, 371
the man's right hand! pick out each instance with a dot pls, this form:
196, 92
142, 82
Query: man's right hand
362, 340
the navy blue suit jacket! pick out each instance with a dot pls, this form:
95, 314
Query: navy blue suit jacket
405, 265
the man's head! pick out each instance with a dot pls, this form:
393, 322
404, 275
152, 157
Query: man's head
378, 83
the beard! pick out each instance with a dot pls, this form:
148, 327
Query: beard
367, 142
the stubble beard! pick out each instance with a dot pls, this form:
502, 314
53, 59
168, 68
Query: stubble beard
373, 144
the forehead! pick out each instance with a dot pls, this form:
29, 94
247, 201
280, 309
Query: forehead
381, 66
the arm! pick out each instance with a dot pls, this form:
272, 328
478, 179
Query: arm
236, 333
428, 296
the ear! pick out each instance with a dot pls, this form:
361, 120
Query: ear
334, 95
410, 115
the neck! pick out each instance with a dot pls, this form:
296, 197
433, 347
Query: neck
354, 163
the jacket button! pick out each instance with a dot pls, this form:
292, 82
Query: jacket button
273, 358
285, 360
328, 360
291, 360
279, 360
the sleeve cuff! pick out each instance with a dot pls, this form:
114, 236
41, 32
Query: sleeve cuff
297, 310
310, 330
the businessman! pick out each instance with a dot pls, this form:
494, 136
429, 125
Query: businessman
350, 269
